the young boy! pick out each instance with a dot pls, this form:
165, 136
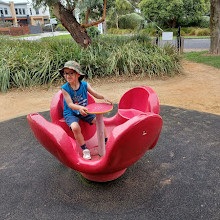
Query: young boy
75, 100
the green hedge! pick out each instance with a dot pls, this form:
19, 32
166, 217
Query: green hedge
24, 63
120, 31
6, 24
130, 21
185, 31
60, 27
93, 32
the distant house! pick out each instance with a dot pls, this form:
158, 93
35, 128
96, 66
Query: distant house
23, 13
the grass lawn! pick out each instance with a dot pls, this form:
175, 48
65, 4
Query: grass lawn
199, 57
200, 37
60, 37
28, 35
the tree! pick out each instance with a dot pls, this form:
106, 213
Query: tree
171, 12
134, 3
193, 10
119, 7
215, 26
162, 11
64, 11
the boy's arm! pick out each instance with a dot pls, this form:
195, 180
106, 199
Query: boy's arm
96, 94
73, 106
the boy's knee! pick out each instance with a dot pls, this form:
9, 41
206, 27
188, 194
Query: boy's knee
93, 121
75, 127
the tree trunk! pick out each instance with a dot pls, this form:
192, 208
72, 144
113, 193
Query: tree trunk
215, 27
174, 23
117, 21
68, 20
170, 23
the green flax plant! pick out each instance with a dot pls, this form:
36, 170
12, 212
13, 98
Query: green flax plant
27, 64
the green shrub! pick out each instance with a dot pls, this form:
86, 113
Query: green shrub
46, 28
203, 32
60, 27
93, 32
188, 30
200, 32
120, 31
5, 24
205, 22
149, 31
141, 37
111, 24
189, 21
193, 32
24, 63
182, 33
130, 21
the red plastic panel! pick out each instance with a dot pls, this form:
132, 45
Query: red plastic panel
129, 141
129, 113
56, 107
136, 98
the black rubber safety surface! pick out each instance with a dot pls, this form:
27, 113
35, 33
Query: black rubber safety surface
179, 179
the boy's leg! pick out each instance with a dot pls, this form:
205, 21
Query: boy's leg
77, 133
73, 123
80, 139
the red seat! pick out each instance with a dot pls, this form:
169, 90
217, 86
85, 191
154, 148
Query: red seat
129, 113
56, 114
138, 100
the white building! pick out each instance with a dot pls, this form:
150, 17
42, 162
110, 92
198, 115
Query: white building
23, 13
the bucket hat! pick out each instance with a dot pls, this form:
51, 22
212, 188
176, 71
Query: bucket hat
73, 65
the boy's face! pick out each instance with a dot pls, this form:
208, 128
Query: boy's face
70, 75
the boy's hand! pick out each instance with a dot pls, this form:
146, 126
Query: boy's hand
83, 110
107, 100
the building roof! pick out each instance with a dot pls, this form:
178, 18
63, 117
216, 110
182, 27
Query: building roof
4, 3
15, 2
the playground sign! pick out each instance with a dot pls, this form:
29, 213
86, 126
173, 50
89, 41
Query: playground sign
100, 28
167, 35
53, 21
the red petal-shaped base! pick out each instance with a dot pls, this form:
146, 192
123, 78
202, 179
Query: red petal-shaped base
104, 177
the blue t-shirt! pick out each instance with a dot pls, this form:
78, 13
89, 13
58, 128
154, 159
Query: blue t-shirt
78, 96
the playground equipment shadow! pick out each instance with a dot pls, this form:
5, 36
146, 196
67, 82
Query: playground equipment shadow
178, 179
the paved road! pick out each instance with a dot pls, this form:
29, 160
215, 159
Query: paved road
192, 43
196, 43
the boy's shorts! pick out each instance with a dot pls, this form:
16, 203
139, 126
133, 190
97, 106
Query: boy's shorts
75, 118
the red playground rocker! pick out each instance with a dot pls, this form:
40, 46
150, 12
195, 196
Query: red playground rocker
131, 132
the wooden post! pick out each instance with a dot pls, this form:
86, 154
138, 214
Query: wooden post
182, 44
